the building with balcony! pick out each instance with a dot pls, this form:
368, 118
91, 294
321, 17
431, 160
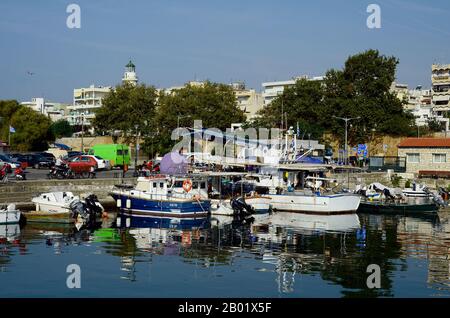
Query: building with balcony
440, 79
88, 99
419, 102
55, 111
248, 100
85, 102
273, 89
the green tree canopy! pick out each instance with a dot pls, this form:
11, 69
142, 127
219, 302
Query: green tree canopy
360, 89
125, 108
32, 130
302, 104
61, 128
212, 103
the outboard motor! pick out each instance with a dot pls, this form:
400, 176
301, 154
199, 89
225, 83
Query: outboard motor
388, 194
93, 206
78, 208
241, 207
444, 194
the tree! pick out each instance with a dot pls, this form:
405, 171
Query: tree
32, 130
212, 103
61, 128
362, 89
302, 104
129, 109
435, 125
7, 110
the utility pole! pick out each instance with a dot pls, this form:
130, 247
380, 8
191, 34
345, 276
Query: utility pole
137, 150
282, 113
82, 131
346, 119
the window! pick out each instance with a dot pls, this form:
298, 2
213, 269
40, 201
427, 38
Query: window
203, 185
119, 152
439, 158
161, 185
413, 157
154, 185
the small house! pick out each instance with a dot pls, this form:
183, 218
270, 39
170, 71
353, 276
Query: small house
426, 157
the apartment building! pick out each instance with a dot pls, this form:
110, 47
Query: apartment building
55, 111
273, 89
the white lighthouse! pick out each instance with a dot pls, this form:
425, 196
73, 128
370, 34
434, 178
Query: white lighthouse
130, 74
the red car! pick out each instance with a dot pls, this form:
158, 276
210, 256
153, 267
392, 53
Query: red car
82, 163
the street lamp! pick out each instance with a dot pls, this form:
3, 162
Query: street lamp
82, 131
136, 127
346, 119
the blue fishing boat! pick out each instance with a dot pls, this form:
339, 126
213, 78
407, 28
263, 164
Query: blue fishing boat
165, 196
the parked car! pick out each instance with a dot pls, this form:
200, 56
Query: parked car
37, 161
20, 158
102, 164
74, 153
4, 159
80, 164
47, 155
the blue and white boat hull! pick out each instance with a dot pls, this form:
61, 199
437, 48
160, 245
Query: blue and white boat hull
141, 207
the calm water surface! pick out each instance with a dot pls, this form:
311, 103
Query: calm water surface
279, 255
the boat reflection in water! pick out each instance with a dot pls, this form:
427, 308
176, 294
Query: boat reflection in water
272, 255
9, 232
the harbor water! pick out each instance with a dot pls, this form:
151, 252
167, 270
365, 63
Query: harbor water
279, 255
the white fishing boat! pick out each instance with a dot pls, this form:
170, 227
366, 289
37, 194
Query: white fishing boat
310, 195
260, 204
9, 215
316, 203
64, 207
417, 191
55, 202
221, 207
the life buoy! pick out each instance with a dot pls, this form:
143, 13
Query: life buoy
187, 185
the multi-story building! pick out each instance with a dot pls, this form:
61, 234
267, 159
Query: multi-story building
55, 111
273, 89
419, 102
440, 79
85, 102
248, 100
400, 90
170, 90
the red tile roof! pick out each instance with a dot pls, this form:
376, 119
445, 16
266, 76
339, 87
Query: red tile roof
425, 143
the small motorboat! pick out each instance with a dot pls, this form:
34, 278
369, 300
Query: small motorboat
55, 202
9, 215
64, 207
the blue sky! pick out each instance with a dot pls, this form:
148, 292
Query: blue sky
174, 41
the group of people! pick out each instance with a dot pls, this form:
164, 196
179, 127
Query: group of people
147, 168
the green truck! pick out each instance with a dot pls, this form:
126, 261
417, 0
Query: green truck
117, 154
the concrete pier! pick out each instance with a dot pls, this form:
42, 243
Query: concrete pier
21, 192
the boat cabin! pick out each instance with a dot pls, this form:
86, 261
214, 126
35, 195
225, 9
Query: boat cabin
172, 186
